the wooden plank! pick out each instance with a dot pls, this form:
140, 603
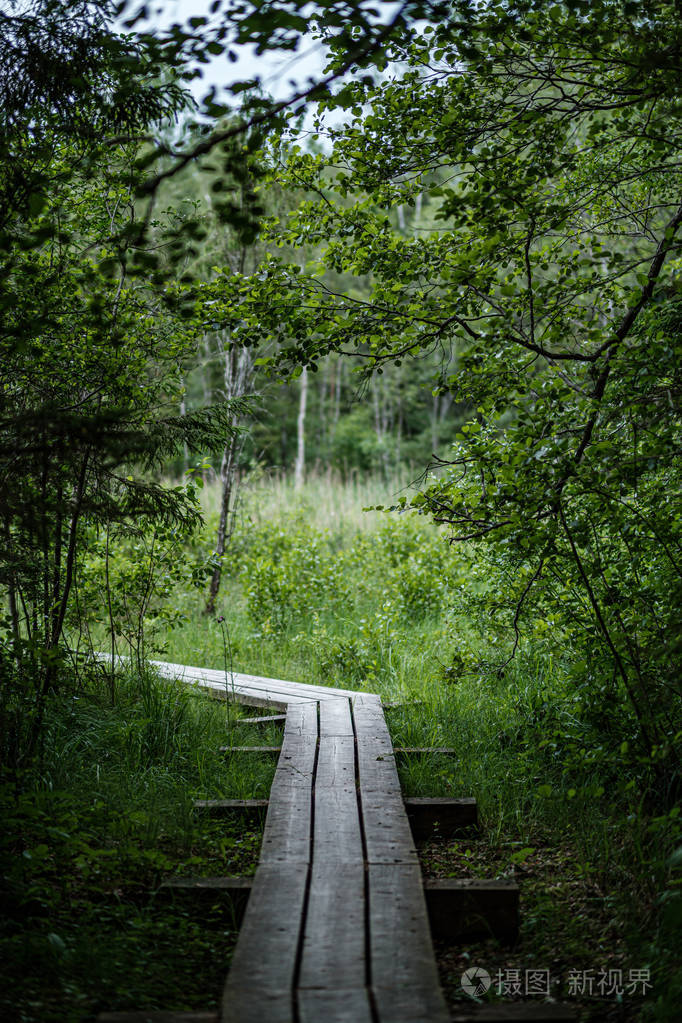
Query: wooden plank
403, 967
337, 834
334, 953
440, 817
211, 885
335, 718
377, 770
388, 838
260, 982
334, 945
473, 910
286, 836
301, 719
252, 810
241, 1004
267, 719
262, 750
368, 716
403, 970
336, 761
288, 825
420, 751
388, 835
237, 682
341, 1005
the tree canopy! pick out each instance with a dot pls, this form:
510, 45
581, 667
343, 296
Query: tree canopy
546, 140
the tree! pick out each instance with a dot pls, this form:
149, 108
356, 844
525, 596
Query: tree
548, 136
89, 350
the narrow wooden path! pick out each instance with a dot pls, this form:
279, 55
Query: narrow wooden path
336, 927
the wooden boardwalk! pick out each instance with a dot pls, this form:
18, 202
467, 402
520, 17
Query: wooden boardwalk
336, 927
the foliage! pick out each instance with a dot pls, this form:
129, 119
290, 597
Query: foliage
294, 573
95, 353
88, 838
548, 136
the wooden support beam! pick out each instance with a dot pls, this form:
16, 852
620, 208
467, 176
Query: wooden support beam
268, 719
441, 817
251, 749
473, 910
157, 1017
251, 810
234, 892
516, 1012
405, 751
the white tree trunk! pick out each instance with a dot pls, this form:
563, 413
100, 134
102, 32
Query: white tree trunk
300, 449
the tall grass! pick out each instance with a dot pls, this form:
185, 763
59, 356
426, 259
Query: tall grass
92, 829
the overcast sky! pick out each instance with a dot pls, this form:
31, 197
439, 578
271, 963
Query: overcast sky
275, 70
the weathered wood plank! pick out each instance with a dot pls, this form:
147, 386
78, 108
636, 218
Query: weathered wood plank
301, 720
267, 719
388, 838
336, 761
337, 834
473, 909
403, 967
154, 1016
288, 825
376, 766
402, 964
368, 716
335, 718
441, 817
270, 750
260, 982
421, 751
334, 954
286, 836
334, 1006
235, 683
388, 835
210, 885
241, 1004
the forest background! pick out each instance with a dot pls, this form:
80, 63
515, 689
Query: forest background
226, 330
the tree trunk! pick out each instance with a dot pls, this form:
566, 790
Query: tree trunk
238, 376
300, 431
183, 413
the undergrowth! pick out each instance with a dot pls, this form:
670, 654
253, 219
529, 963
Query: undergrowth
90, 831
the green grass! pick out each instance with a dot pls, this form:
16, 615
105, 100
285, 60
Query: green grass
91, 832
